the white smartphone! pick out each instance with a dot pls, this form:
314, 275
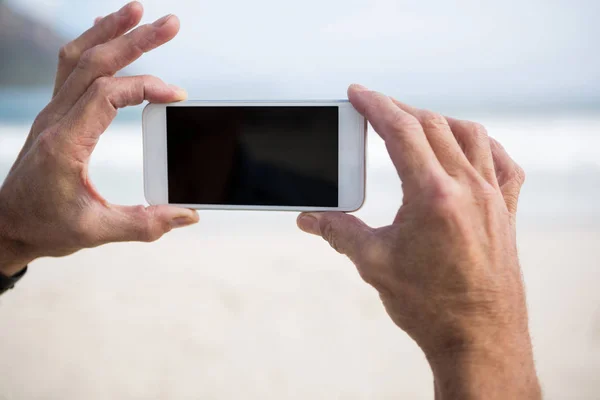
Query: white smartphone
255, 155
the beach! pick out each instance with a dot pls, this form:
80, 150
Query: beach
244, 305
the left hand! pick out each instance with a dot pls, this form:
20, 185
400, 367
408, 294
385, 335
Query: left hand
48, 206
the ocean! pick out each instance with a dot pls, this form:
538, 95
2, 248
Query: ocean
560, 155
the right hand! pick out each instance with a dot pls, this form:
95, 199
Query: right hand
446, 268
48, 205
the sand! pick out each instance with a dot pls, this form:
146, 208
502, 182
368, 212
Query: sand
263, 314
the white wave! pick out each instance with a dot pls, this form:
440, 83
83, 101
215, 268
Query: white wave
540, 143
553, 144
119, 146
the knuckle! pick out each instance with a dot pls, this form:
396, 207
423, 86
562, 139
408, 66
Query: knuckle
470, 134
152, 234
142, 82
393, 119
496, 146
478, 130
46, 142
93, 58
401, 122
145, 41
485, 189
109, 25
478, 133
101, 86
445, 197
40, 122
329, 233
484, 195
86, 58
367, 274
68, 53
149, 231
433, 120
518, 175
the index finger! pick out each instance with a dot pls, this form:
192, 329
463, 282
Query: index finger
97, 108
104, 29
404, 137
108, 58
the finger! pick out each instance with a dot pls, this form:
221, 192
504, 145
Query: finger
107, 59
104, 29
475, 143
404, 138
509, 174
440, 138
143, 224
94, 112
345, 233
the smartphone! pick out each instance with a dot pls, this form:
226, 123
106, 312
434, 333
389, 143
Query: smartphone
255, 155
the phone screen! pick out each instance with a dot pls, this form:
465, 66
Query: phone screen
256, 156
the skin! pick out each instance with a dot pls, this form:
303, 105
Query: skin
446, 269
48, 205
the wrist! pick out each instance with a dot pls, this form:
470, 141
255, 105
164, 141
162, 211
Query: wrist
14, 253
490, 368
13, 258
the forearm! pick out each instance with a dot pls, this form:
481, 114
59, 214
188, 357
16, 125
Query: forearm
496, 373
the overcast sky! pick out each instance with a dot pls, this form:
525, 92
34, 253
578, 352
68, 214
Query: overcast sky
521, 51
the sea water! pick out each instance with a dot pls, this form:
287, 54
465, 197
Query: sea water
559, 152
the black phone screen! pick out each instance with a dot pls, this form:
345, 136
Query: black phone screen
257, 156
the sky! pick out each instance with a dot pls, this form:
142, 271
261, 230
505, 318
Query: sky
513, 52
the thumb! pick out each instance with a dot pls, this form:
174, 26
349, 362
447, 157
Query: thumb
345, 233
147, 224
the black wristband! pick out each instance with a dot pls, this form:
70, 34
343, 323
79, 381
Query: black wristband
8, 282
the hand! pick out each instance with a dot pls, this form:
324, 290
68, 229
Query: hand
446, 269
48, 206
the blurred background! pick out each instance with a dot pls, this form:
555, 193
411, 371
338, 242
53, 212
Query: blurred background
244, 305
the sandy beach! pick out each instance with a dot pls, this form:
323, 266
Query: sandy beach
244, 305
262, 316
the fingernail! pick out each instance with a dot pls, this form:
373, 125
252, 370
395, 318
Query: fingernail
309, 224
124, 10
180, 222
359, 88
181, 93
161, 21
